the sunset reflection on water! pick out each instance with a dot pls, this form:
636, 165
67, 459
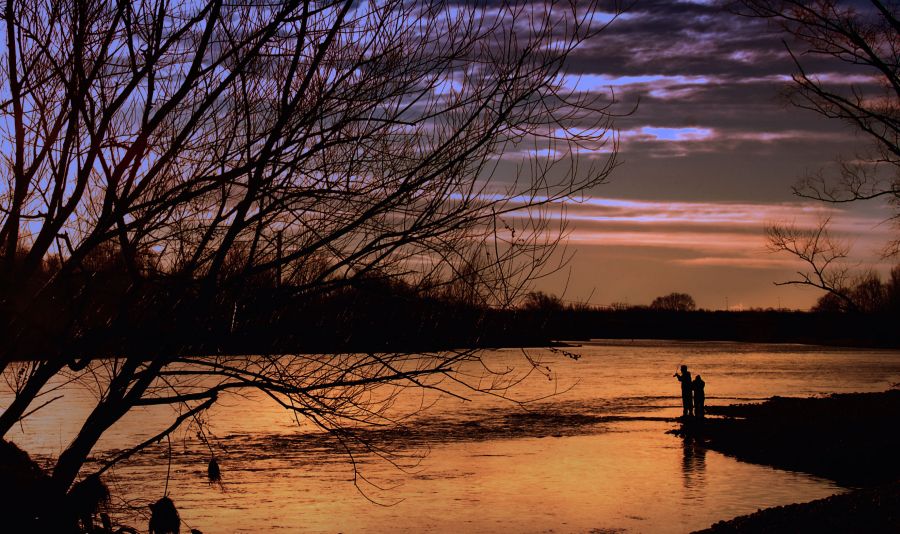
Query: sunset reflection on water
594, 457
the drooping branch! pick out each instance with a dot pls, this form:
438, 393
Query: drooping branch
124, 455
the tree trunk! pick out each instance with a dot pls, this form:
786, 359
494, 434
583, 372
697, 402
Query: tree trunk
24, 398
72, 459
120, 399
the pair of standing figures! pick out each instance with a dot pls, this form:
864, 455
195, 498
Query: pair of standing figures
692, 394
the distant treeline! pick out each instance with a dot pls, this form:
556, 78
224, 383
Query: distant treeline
365, 320
102, 309
108, 313
873, 323
759, 326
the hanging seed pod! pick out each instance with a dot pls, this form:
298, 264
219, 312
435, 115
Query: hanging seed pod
213, 473
164, 518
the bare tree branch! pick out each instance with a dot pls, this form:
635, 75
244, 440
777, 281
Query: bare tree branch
171, 163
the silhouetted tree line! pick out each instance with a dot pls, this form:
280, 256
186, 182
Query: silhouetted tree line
371, 312
754, 326
675, 316
270, 315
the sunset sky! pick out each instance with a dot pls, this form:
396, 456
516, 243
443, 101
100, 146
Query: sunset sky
709, 157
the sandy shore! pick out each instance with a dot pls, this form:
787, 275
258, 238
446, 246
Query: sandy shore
853, 439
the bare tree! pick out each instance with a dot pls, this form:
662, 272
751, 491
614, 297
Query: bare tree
862, 39
823, 255
307, 143
865, 39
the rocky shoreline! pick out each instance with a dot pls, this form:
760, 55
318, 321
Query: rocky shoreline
852, 439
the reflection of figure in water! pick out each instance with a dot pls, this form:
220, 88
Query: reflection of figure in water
699, 396
693, 467
686, 393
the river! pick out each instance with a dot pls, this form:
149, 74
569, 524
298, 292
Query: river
594, 456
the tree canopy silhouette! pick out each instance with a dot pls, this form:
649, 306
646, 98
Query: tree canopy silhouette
162, 158
674, 302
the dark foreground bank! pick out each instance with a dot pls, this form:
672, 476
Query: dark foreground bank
852, 439
870, 510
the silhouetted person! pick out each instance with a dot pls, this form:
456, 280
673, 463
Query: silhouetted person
699, 396
686, 392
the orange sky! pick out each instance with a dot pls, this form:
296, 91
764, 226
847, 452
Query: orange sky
632, 251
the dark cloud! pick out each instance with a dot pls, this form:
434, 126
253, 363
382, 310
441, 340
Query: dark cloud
659, 37
712, 133
712, 120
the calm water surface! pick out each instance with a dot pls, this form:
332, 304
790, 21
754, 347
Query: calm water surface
593, 457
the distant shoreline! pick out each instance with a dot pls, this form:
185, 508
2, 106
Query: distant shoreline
875, 330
